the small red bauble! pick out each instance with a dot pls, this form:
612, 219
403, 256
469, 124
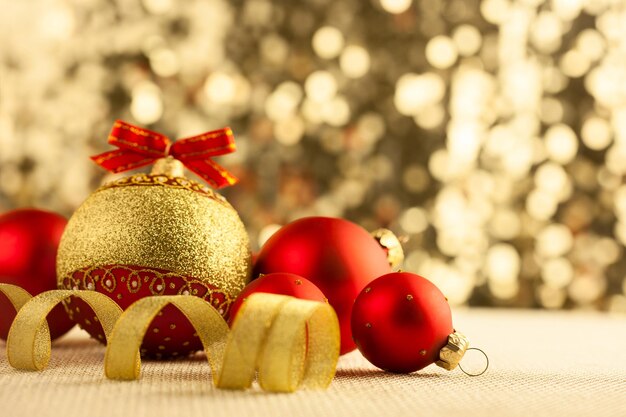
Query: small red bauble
279, 283
338, 256
29, 239
400, 321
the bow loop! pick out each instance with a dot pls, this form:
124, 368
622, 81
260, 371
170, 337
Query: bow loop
214, 143
138, 147
142, 141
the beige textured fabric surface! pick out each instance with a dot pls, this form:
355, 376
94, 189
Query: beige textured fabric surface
542, 364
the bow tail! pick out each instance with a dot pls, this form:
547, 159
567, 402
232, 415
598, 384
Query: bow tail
121, 160
211, 172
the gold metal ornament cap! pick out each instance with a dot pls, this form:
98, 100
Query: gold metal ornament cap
390, 242
451, 354
159, 220
168, 166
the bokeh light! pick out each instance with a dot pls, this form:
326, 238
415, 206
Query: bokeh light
355, 61
395, 6
320, 86
441, 52
467, 40
146, 105
328, 42
415, 92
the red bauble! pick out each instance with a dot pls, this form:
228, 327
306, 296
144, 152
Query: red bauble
279, 283
29, 239
338, 256
401, 321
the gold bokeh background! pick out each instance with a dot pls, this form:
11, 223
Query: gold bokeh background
492, 134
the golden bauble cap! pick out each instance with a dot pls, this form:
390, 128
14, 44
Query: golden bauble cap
159, 220
392, 245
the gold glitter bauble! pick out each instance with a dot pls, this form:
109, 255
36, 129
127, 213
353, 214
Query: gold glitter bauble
154, 234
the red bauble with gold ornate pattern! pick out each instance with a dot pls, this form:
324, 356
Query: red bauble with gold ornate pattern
150, 235
29, 239
336, 255
282, 283
401, 321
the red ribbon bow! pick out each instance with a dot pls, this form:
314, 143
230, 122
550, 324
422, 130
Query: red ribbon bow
139, 147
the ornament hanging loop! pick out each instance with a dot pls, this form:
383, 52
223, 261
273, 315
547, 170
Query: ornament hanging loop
483, 370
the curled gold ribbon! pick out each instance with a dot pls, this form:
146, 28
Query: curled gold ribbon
290, 342
122, 360
269, 335
28, 343
294, 342
17, 295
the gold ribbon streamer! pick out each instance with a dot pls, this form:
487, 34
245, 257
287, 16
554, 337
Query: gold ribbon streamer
17, 295
294, 342
290, 342
28, 343
122, 360
269, 334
